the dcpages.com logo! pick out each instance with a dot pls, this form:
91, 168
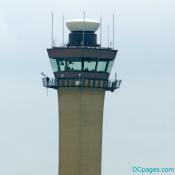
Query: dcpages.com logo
143, 170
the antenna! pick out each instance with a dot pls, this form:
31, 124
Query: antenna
100, 31
115, 76
113, 30
83, 25
108, 36
63, 28
52, 40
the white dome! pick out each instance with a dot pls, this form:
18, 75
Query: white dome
80, 25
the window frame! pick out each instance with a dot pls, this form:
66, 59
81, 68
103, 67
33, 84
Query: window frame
83, 60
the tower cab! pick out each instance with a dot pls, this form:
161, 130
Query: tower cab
82, 58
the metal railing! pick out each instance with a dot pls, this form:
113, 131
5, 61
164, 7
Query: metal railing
79, 46
55, 83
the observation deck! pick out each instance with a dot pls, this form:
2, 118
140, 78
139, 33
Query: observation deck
55, 83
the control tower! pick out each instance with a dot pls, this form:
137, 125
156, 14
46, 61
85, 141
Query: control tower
81, 78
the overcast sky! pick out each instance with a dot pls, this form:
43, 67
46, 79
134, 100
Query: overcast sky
139, 118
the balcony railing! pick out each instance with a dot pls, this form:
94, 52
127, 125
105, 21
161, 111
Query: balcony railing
55, 83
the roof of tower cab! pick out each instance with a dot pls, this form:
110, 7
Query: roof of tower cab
83, 25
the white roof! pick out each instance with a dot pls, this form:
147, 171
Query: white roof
83, 25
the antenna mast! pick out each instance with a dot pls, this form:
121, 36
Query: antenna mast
108, 36
52, 40
83, 25
63, 28
100, 31
113, 30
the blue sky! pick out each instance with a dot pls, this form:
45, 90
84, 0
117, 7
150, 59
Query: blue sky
139, 118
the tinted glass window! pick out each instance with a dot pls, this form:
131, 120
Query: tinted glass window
110, 64
53, 63
74, 65
61, 65
101, 66
89, 65
80, 64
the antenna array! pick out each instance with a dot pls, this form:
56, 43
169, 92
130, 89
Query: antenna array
109, 44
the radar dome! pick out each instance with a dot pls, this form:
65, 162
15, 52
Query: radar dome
83, 25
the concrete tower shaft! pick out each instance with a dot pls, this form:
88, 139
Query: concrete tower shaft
80, 130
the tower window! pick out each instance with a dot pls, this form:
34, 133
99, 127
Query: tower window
53, 63
89, 66
101, 66
110, 64
74, 65
61, 65
81, 64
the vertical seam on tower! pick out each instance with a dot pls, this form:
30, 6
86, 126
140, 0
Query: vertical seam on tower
80, 128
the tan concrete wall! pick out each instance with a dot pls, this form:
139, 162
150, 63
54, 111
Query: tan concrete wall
80, 130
